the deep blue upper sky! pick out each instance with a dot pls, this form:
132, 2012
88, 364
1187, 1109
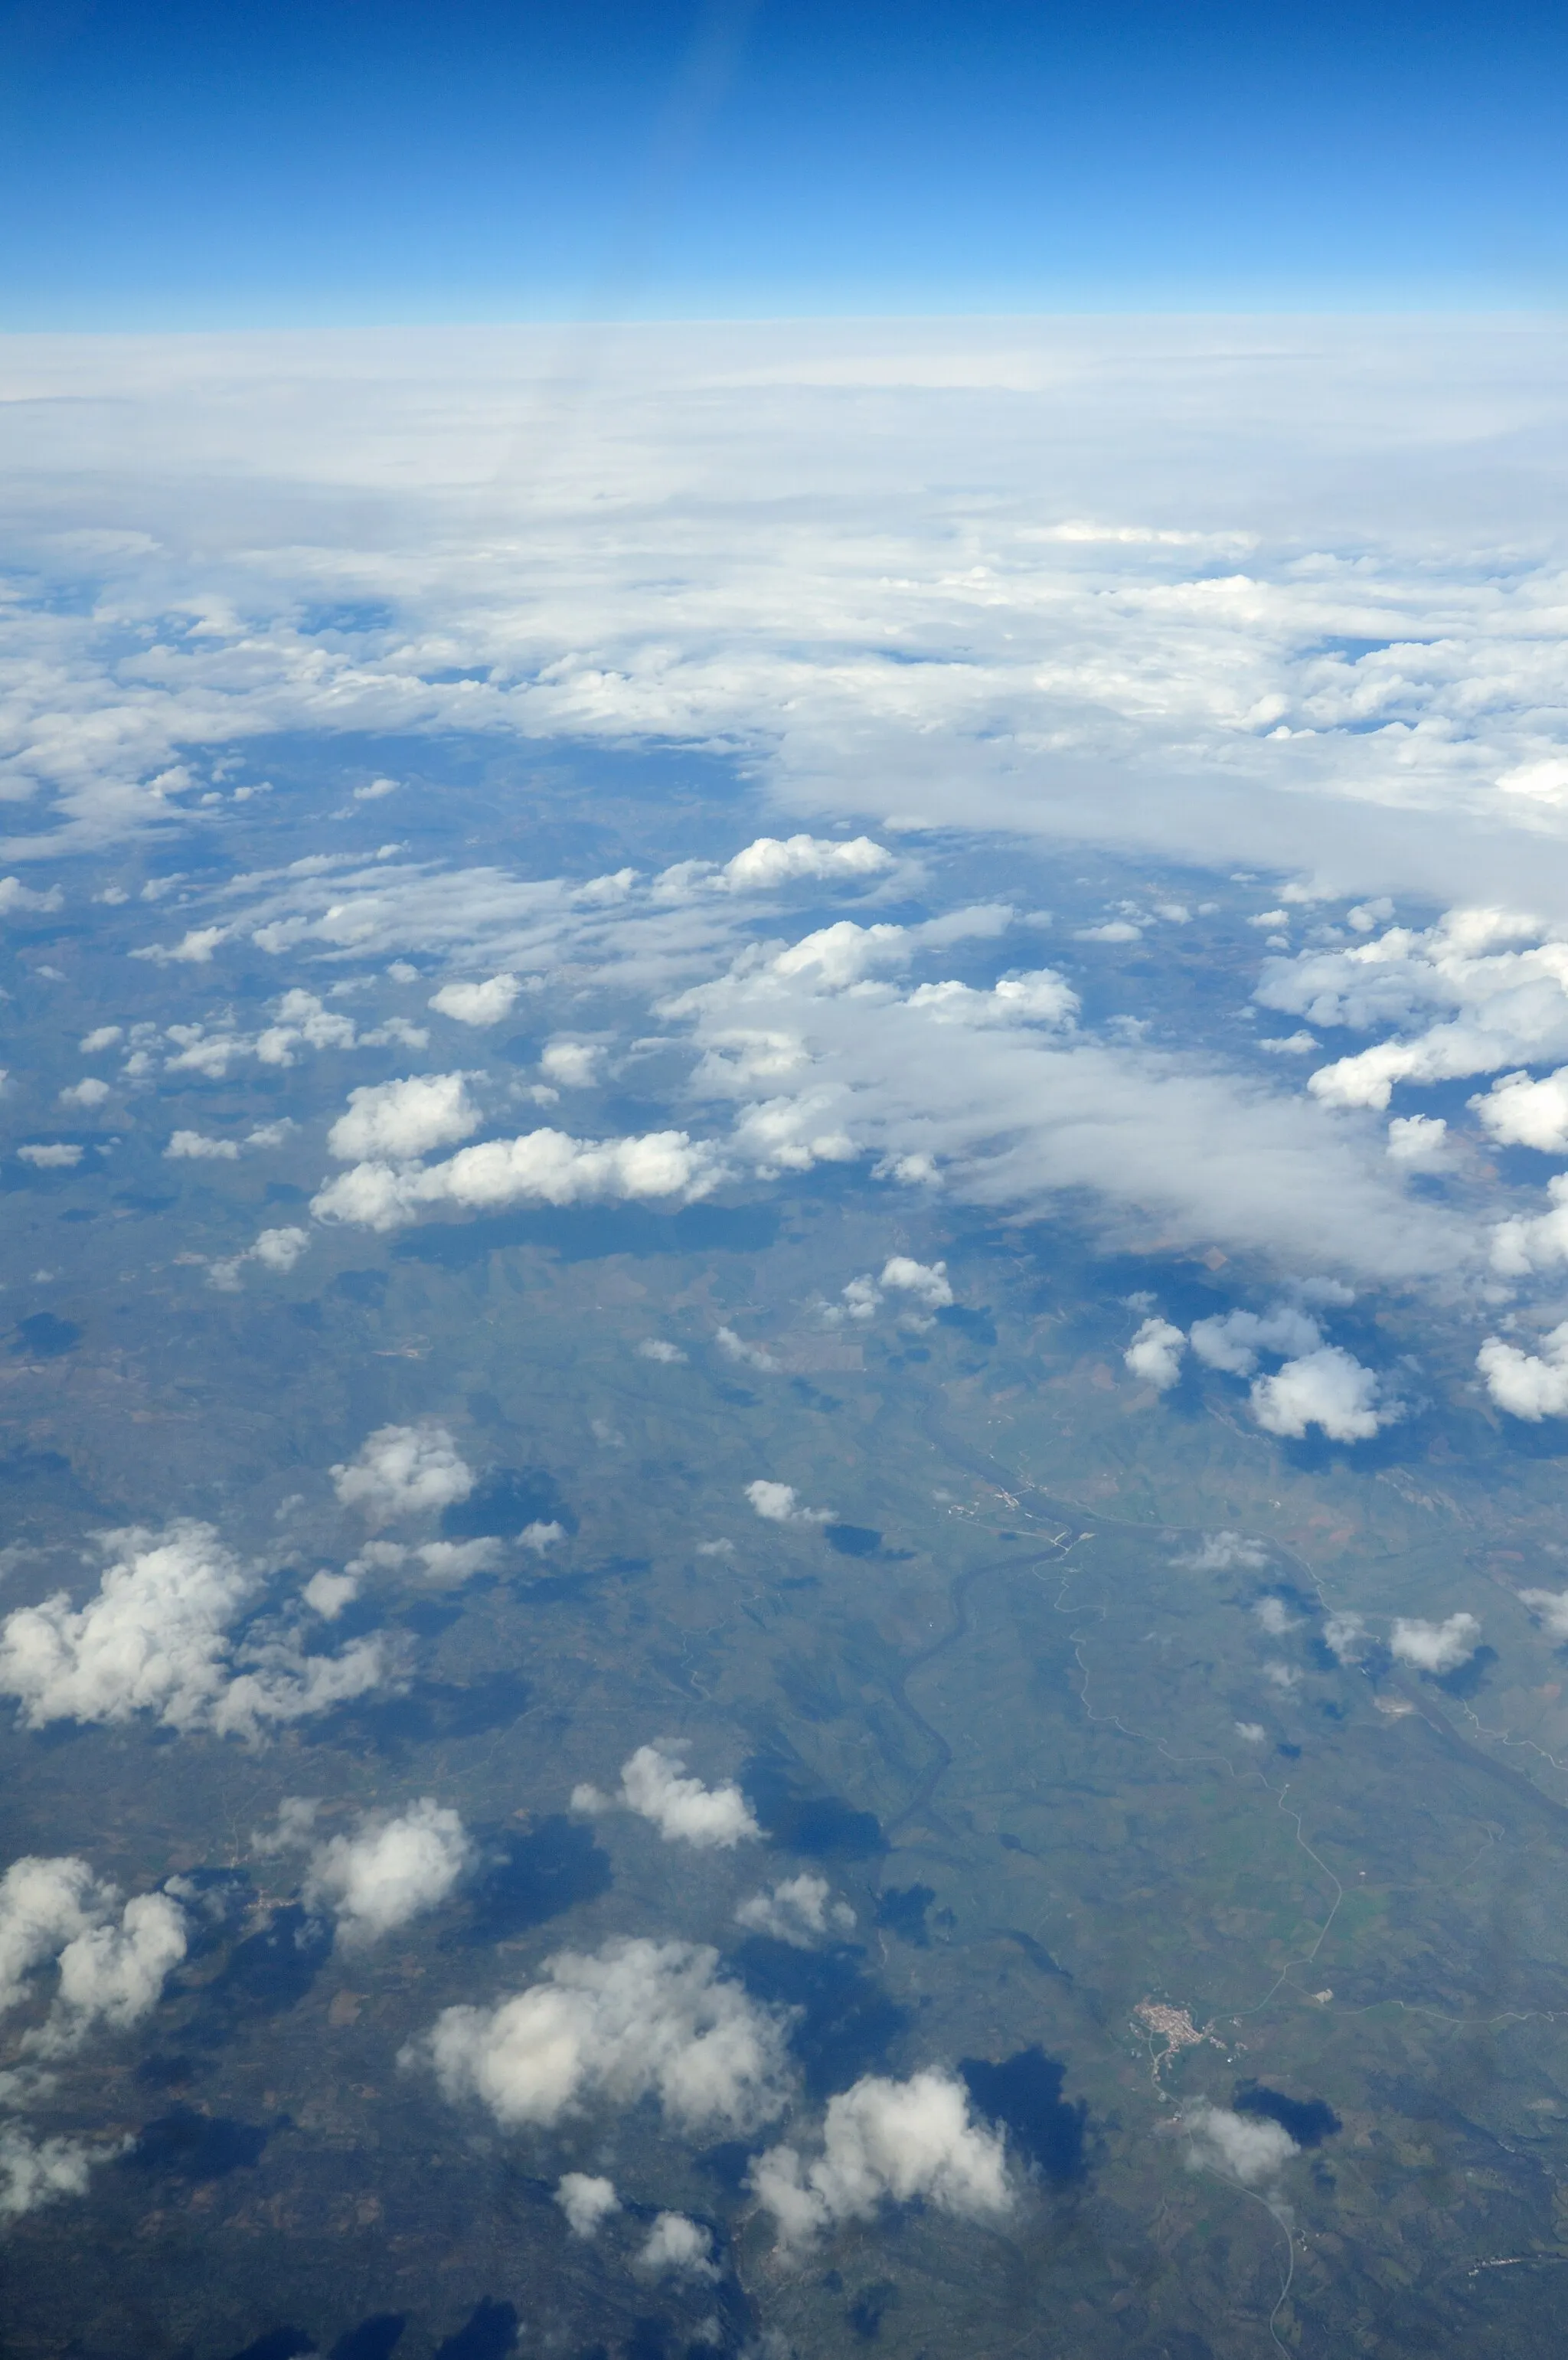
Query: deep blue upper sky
184, 162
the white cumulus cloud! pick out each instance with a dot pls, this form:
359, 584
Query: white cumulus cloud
634, 2019
886, 2141
1154, 1356
1552, 1606
542, 1166
796, 1910
772, 861
403, 1470
1521, 1112
587, 2202
676, 2246
114, 1973
478, 1004
1530, 1385
1235, 1340
1244, 2146
654, 1786
156, 1638
1329, 1389
388, 1871
927, 1282
1434, 1646
776, 1503
401, 1120
35, 2172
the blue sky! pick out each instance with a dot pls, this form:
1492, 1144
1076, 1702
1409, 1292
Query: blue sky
184, 165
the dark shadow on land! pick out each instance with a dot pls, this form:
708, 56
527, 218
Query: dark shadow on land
184, 2144
853, 1540
1468, 1678
44, 1337
902, 1911
372, 2339
504, 1502
487, 2333
279, 2343
271, 1972
1023, 2094
27, 1476
822, 1827
525, 1880
594, 1232
846, 2022
432, 1710
976, 1324
728, 2163
1309, 2121
870, 2308
366, 1288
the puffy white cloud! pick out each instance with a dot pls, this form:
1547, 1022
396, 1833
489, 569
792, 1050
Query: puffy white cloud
14, 895
1154, 1356
1527, 1242
478, 1004
1041, 997
1234, 1340
44, 1904
281, 1248
572, 1065
388, 1872
541, 1536
1222, 1553
1275, 1616
327, 1594
676, 2246
112, 1969
35, 2172
275, 1249
836, 957
658, 1348
295, 1821
884, 2140
101, 1037
1552, 1606
776, 1504
750, 1356
796, 1910
587, 2202
544, 1166
402, 1120
1434, 1646
1497, 981
155, 1638
773, 861
1530, 1385
86, 1094
114, 1974
634, 2019
403, 1470
1417, 1139
1251, 1733
1345, 1636
681, 1808
1521, 1112
927, 1282
197, 1146
1328, 1388
1244, 2146
50, 1154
